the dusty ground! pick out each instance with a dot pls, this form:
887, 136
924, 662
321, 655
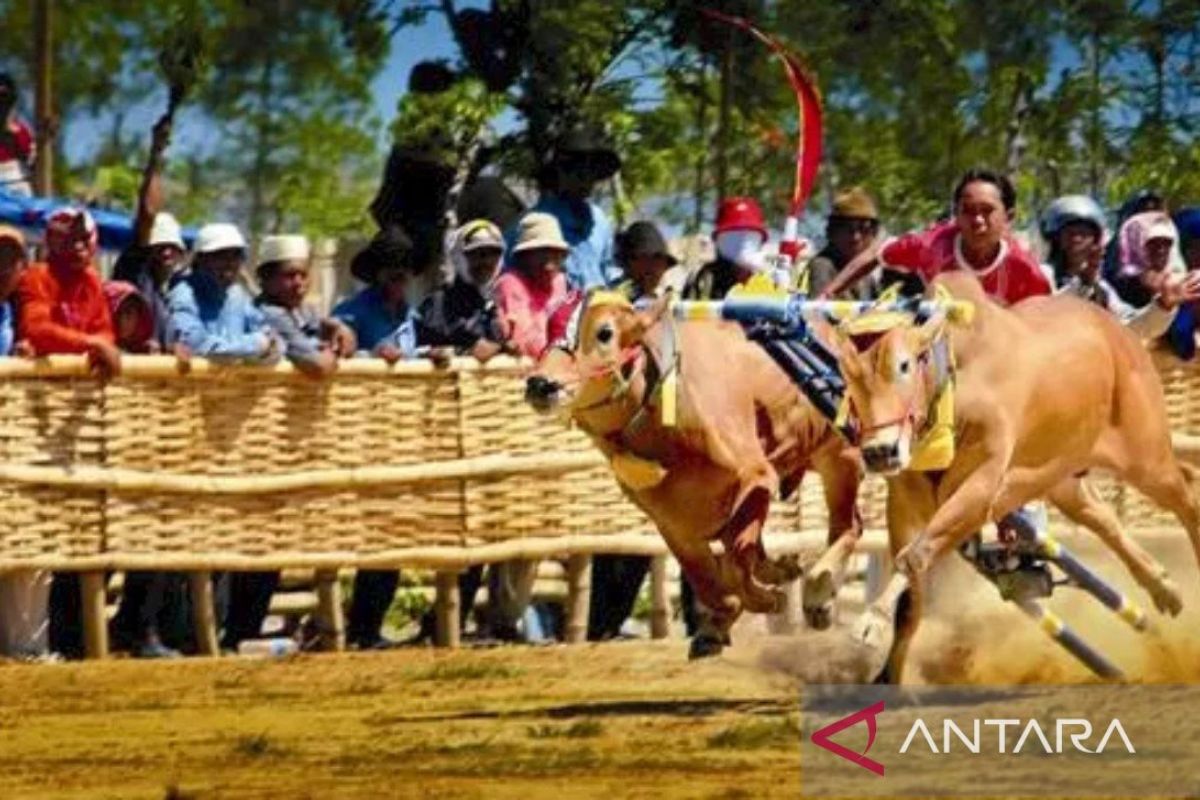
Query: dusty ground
621, 720
615, 720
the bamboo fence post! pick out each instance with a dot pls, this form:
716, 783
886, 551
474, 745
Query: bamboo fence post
330, 618
447, 605
204, 618
660, 599
879, 572
95, 622
579, 597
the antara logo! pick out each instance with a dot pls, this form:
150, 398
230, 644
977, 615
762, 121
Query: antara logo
1031, 735
821, 738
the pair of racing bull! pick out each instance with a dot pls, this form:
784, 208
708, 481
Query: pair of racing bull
703, 427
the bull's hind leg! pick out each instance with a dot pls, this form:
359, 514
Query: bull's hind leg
1079, 502
742, 537
1166, 483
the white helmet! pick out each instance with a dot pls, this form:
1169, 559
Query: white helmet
1071, 208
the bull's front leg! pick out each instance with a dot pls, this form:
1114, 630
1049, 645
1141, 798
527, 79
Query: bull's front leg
962, 514
841, 475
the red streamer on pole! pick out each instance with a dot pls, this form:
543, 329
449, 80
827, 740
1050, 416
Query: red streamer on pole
808, 144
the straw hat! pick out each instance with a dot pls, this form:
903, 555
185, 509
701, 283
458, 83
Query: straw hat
854, 203
537, 230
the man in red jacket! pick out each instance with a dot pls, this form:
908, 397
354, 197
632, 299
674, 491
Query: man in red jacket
62, 309
62, 304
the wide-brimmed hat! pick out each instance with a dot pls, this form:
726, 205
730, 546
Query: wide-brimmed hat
217, 236
643, 239
585, 144
391, 247
538, 230
854, 203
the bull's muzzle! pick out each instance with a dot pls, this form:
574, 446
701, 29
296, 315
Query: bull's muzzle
541, 392
888, 453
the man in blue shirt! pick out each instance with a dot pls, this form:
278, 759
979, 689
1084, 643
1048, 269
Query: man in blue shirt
211, 314
567, 180
380, 315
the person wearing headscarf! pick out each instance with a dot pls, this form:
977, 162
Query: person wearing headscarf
462, 313
17, 143
1146, 244
1074, 229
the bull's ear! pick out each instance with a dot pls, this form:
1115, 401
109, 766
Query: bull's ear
648, 317
849, 359
928, 333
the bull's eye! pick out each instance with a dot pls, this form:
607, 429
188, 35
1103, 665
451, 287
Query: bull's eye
605, 334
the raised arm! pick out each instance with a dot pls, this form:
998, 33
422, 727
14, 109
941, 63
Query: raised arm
150, 191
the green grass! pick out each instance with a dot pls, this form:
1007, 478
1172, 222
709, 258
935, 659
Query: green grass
757, 734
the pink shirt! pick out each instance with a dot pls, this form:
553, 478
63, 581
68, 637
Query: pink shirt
525, 309
1013, 276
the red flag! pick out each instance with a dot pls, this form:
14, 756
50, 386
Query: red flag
808, 101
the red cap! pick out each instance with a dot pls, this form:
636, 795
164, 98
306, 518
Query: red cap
740, 214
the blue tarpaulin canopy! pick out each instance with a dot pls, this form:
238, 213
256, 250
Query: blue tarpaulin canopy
29, 213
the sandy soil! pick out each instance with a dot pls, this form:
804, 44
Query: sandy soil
620, 720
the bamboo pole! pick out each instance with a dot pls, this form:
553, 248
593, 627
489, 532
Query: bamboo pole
204, 619
448, 606
660, 599
437, 557
157, 367
95, 622
116, 479
579, 596
329, 610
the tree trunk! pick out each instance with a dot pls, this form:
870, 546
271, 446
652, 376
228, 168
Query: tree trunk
262, 147
698, 191
724, 118
43, 59
1095, 133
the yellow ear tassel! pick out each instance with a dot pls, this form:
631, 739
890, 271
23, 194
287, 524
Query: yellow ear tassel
669, 398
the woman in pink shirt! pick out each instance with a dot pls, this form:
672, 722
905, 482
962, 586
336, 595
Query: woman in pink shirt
977, 240
533, 287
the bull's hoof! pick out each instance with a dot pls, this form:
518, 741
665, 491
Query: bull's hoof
705, 646
1167, 597
778, 571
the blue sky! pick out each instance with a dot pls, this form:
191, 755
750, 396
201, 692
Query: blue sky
431, 40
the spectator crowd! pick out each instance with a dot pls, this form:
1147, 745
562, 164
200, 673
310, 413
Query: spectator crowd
505, 286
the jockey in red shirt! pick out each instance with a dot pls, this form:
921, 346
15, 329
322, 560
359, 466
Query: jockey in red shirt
978, 240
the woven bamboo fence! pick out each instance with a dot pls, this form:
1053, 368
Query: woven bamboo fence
233, 467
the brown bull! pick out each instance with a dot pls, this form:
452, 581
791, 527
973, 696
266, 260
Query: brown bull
742, 430
1046, 390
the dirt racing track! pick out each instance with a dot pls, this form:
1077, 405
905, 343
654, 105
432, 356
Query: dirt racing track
627, 719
